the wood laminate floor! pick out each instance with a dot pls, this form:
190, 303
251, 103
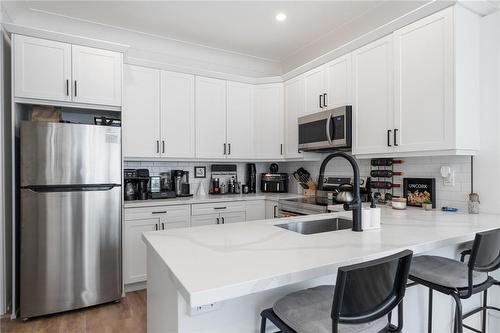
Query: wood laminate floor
129, 315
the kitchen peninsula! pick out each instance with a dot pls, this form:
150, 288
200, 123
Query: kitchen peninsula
218, 278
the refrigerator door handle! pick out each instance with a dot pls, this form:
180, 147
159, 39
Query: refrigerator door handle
70, 188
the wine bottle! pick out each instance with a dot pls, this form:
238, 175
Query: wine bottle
384, 173
384, 162
385, 185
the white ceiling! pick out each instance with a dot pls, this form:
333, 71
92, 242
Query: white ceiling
245, 27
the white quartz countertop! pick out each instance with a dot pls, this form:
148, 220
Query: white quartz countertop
220, 262
208, 198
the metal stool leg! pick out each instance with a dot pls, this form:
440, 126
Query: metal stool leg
429, 315
458, 328
263, 325
485, 310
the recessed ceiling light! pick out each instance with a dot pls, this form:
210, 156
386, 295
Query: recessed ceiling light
280, 17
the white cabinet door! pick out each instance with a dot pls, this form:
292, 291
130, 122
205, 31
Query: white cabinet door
233, 217
177, 115
141, 112
239, 120
42, 69
269, 121
210, 118
271, 209
294, 108
208, 219
424, 84
256, 210
97, 76
134, 249
315, 90
373, 97
339, 82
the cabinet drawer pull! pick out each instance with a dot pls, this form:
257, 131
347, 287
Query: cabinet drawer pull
396, 137
156, 227
389, 138
220, 207
217, 220
162, 212
222, 220
163, 226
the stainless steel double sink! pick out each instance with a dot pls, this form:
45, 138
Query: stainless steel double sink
316, 227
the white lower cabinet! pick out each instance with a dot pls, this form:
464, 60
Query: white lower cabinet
233, 217
207, 219
271, 209
140, 220
255, 210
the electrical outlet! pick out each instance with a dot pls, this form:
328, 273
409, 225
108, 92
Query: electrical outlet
450, 180
197, 310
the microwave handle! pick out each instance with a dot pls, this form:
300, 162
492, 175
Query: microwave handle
328, 122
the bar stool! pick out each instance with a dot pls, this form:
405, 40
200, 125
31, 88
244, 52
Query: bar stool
363, 298
461, 280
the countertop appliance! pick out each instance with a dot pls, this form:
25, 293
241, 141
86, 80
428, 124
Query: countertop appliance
274, 182
251, 178
70, 243
326, 130
136, 184
180, 180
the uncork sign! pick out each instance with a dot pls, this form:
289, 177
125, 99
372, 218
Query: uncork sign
419, 190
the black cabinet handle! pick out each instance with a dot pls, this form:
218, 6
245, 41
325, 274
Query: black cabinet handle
220, 208
163, 146
320, 103
163, 226
162, 212
229, 148
67, 87
217, 220
274, 211
324, 100
157, 146
223, 220
75, 88
281, 149
389, 138
224, 149
156, 226
396, 137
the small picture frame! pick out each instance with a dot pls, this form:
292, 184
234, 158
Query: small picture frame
200, 172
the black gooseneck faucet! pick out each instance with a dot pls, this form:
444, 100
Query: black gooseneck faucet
355, 204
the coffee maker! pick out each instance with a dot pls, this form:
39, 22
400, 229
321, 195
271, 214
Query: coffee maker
136, 184
180, 182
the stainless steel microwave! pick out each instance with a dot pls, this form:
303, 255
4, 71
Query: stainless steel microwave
325, 130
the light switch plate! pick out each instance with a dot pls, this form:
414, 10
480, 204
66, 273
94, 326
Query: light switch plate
197, 310
450, 180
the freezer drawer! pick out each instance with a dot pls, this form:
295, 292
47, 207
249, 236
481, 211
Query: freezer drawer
59, 154
70, 249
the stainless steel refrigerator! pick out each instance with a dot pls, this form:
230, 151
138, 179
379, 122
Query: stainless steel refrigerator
70, 251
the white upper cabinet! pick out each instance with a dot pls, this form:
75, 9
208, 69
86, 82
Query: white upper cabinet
339, 82
269, 120
177, 115
97, 76
210, 118
62, 72
315, 90
295, 105
240, 120
42, 69
373, 97
141, 112
424, 84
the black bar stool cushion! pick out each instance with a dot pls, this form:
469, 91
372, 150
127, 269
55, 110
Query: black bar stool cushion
444, 272
309, 311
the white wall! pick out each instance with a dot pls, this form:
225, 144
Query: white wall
487, 162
